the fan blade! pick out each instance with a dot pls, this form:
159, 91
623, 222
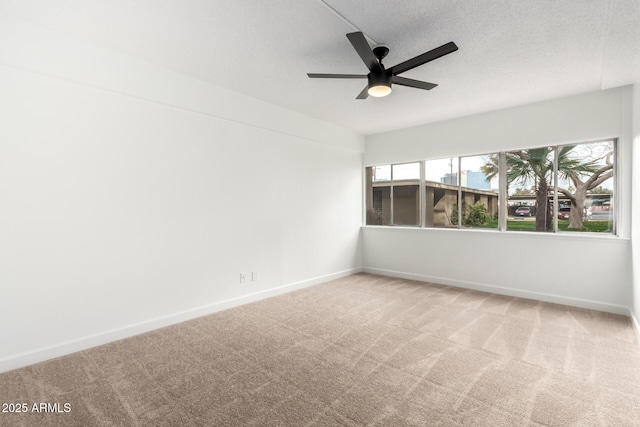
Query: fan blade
361, 46
403, 81
364, 94
336, 76
436, 53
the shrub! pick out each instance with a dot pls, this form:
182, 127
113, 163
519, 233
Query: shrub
476, 214
454, 215
375, 217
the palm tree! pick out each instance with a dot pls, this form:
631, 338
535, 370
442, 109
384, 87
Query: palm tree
492, 167
536, 164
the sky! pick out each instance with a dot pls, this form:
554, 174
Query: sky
434, 169
437, 169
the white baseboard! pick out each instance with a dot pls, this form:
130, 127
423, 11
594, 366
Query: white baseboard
557, 299
45, 353
636, 324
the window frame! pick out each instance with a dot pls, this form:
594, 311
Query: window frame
419, 201
503, 196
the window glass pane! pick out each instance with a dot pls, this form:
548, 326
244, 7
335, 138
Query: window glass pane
480, 190
568, 188
530, 186
378, 195
586, 187
381, 173
406, 194
441, 192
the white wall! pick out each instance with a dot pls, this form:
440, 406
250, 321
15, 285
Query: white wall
132, 197
636, 208
587, 271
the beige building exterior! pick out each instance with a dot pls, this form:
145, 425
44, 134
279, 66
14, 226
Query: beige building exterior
440, 202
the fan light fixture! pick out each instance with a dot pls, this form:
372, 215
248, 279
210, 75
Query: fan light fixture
379, 90
379, 84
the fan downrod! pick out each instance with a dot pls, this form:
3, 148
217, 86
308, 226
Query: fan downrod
380, 51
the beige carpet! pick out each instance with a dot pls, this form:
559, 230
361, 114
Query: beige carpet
363, 350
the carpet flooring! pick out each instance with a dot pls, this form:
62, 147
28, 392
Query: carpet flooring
362, 350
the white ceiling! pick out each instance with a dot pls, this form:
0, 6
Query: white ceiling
511, 52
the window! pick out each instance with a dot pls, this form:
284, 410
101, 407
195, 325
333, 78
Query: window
565, 188
406, 194
378, 195
441, 192
586, 187
530, 182
393, 194
571, 181
479, 191
377, 199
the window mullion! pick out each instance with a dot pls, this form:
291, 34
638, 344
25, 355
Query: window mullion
555, 189
459, 193
391, 197
503, 196
423, 196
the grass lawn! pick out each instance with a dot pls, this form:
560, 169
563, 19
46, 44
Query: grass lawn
563, 224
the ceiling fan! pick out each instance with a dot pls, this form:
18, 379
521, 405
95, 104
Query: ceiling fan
381, 79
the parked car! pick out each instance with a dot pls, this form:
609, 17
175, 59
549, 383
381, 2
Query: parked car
564, 213
523, 211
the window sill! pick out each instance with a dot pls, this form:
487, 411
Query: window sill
605, 237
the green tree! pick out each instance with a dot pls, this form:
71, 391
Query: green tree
524, 192
586, 174
491, 167
536, 164
600, 190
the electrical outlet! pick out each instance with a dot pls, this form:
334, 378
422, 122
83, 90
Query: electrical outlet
254, 276
243, 277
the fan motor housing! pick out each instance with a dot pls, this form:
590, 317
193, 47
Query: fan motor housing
383, 78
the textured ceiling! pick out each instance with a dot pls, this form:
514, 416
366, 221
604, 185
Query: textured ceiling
510, 52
